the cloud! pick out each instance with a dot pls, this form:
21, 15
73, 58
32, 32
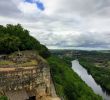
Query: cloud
28, 8
61, 23
8, 8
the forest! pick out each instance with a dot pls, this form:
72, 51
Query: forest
16, 38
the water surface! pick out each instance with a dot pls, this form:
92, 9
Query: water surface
82, 72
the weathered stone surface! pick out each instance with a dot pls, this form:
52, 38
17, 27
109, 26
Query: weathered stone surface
22, 83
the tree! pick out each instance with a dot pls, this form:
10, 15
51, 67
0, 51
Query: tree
9, 44
14, 37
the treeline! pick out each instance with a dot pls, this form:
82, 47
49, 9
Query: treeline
68, 84
15, 37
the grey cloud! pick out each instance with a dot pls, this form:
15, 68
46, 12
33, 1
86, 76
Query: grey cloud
70, 17
83, 40
8, 8
86, 7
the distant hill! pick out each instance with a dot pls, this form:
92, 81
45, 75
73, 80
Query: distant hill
15, 37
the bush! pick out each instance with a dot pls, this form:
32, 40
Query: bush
3, 98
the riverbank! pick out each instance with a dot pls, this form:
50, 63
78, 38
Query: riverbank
68, 84
100, 74
88, 79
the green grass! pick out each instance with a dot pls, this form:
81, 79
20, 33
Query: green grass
23, 64
67, 83
4, 62
28, 64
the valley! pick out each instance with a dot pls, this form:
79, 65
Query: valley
95, 62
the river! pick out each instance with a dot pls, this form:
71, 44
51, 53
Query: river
85, 76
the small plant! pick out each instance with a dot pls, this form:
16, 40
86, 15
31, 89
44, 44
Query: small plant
3, 98
6, 62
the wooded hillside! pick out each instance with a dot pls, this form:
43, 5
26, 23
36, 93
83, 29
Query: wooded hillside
15, 37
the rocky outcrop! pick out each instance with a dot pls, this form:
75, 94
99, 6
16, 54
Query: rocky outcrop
45, 89
38, 84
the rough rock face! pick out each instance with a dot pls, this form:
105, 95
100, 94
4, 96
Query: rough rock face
39, 88
45, 89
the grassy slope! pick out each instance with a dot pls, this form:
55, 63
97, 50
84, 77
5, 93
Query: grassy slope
100, 74
67, 83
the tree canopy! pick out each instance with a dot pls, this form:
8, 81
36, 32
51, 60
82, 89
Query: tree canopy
15, 37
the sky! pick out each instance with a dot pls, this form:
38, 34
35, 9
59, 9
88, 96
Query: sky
68, 24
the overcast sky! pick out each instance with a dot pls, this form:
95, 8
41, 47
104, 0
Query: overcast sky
82, 24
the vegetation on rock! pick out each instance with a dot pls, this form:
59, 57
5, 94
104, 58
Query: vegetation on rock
3, 98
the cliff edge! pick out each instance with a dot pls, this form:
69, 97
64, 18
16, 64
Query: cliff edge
26, 76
